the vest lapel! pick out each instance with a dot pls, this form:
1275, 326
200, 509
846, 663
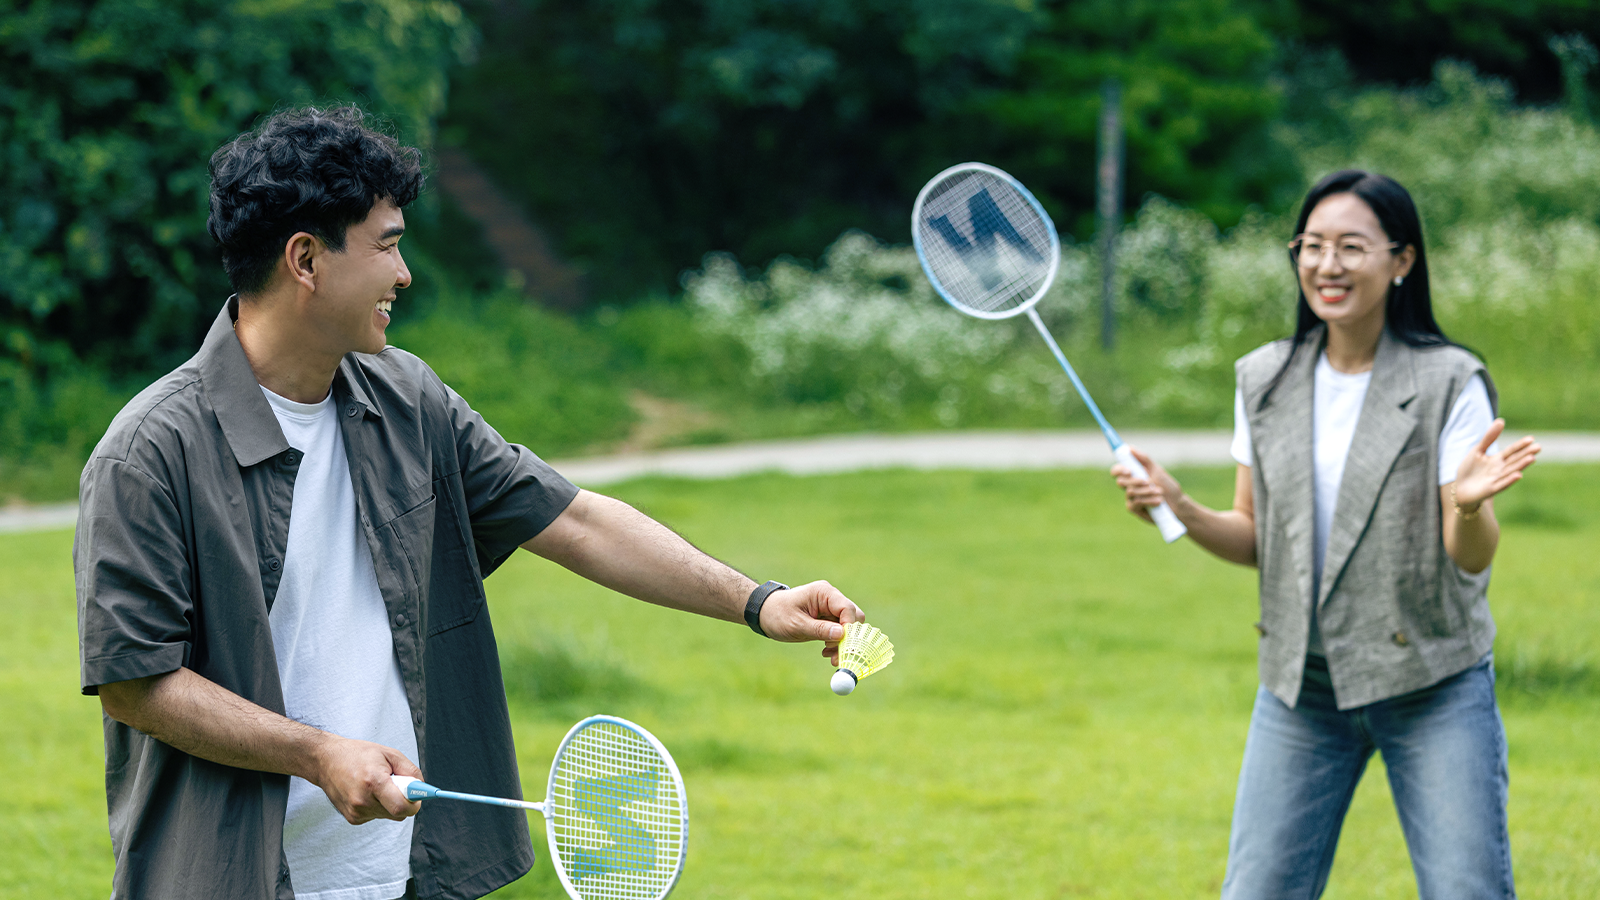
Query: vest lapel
1382, 431
1282, 437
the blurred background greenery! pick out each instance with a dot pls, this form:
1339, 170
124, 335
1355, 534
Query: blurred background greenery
710, 198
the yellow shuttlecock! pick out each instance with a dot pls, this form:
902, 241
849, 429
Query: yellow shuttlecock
863, 651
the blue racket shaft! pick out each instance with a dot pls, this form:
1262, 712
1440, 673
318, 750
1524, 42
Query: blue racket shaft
421, 790
1166, 520
1114, 439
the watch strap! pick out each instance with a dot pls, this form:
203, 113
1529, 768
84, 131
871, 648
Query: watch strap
758, 597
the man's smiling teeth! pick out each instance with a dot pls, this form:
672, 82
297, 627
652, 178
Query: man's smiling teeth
384, 304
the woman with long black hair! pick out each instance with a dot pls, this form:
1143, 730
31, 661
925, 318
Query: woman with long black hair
1367, 456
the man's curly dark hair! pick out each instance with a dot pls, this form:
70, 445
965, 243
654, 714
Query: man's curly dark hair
312, 170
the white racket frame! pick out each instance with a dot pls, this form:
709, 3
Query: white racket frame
1050, 227
671, 768
546, 805
1165, 519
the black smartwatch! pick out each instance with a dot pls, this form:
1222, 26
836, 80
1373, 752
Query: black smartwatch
758, 597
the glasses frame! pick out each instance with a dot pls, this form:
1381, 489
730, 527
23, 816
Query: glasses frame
1299, 239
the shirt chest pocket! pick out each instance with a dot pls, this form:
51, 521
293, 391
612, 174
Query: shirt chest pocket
434, 560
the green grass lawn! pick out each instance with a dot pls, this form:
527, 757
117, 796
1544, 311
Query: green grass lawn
1064, 718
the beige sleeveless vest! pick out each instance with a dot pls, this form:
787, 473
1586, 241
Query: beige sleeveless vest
1395, 611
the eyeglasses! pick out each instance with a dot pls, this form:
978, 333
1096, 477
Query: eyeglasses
1308, 251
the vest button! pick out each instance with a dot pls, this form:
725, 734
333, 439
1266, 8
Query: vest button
350, 410
273, 564
400, 619
1400, 638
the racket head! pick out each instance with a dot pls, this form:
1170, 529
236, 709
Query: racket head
986, 243
616, 814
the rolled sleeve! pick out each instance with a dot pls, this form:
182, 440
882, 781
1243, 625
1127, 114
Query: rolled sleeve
131, 565
511, 494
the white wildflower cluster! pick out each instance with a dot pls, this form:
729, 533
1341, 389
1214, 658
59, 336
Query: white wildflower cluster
1164, 257
864, 327
1510, 199
1466, 152
1513, 268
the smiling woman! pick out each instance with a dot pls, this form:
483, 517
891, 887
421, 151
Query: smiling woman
1379, 638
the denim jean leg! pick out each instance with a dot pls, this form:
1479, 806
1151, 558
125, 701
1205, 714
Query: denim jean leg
1445, 750
1301, 767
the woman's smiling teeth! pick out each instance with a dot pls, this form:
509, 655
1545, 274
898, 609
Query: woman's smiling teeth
1333, 291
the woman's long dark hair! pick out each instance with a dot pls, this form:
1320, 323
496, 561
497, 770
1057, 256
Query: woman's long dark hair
1408, 313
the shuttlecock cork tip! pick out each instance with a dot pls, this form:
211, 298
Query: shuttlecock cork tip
844, 681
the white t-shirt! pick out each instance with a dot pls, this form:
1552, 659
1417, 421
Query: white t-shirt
330, 633
1336, 407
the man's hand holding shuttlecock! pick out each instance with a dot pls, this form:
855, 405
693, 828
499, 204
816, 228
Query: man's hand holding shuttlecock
810, 612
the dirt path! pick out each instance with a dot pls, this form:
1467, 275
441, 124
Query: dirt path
996, 450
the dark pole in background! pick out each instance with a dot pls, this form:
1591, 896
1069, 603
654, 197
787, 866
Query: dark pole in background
1109, 205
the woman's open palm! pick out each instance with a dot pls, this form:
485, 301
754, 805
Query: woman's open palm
1483, 475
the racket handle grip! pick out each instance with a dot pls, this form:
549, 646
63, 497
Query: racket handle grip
413, 788
1166, 520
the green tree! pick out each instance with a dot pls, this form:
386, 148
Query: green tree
109, 112
1400, 41
643, 134
1197, 97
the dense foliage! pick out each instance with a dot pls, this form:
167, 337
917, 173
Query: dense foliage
649, 133
1398, 41
109, 112
1511, 201
644, 134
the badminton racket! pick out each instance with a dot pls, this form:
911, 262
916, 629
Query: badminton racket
991, 251
615, 811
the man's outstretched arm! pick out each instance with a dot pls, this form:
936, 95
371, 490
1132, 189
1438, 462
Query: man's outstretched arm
200, 717
613, 544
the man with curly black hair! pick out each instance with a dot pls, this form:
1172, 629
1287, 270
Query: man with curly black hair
280, 561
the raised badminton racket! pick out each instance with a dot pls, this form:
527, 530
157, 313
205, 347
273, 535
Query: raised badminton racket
991, 251
615, 811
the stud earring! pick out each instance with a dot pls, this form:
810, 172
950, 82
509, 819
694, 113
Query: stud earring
1397, 280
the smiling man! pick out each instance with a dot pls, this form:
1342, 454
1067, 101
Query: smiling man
280, 561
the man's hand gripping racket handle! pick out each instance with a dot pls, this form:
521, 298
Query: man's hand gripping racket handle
1164, 517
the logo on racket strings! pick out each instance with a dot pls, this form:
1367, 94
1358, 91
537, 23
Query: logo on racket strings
633, 848
981, 252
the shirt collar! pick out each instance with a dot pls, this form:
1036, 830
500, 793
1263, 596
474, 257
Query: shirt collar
230, 384
242, 411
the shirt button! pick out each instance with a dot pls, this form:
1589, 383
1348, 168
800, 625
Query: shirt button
1400, 638
273, 564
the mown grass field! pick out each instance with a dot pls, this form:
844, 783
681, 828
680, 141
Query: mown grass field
1064, 717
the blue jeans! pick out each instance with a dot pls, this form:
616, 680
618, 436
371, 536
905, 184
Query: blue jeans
1445, 751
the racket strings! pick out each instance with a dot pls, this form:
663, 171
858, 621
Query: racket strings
987, 246
617, 816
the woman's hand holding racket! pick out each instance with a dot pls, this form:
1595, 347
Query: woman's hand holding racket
1146, 489
810, 612
1482, 474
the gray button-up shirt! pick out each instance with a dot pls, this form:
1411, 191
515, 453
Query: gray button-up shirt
185, 509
